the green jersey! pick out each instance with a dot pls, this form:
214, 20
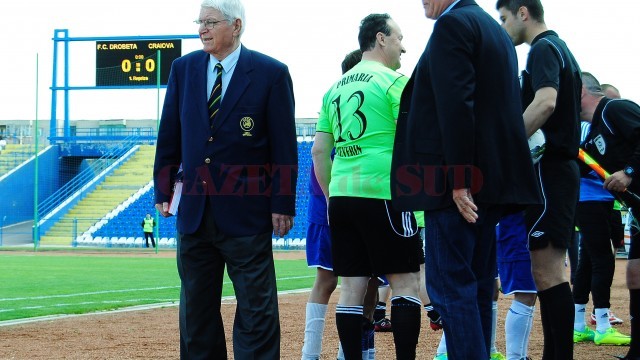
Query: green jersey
419, 218
360, 110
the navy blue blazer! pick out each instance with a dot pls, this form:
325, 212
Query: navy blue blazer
246, 162
460, 123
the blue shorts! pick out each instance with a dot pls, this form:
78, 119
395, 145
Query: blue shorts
514, 261
319, 246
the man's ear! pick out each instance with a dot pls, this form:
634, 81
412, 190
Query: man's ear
380, 38
237, 26
523, 13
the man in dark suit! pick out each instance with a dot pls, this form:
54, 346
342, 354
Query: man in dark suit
238, 152
461, 155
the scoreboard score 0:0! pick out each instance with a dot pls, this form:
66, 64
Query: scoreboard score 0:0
134, 63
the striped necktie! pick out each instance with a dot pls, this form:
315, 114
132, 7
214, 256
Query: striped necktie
216, 94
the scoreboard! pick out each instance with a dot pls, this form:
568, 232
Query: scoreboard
135, 63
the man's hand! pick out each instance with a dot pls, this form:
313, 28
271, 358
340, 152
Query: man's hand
466, 207
163, 209
281, 224
618, 181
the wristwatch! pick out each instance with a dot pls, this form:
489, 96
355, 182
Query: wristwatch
629, 171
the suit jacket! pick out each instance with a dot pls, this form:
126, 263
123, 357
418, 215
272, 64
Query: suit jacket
460, 123
246, 162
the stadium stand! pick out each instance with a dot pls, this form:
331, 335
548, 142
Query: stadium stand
110, 214
13, 155
121, 226
114, 190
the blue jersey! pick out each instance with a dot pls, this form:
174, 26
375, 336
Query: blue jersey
591, 185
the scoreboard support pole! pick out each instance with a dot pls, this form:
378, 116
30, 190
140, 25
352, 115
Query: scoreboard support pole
112, 56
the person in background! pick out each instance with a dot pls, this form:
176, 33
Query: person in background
458, 114
148, 223
514, 269
381, 322
596, 264
368, 238
617, 229
228, 119
613, 141
551, 102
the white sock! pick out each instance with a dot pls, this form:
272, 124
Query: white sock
313, 331
340, 352
517, 329
578, 323
372, 354
602, 319
494, 320
442, 346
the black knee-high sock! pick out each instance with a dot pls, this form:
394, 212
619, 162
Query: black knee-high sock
548, 343
349, 324
380, 311
405, 314
557, 310
634, 311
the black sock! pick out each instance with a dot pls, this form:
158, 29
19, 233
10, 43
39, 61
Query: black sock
557, 310
548, 342
380, 312
634, 311
349, 324
405, 314
433, 315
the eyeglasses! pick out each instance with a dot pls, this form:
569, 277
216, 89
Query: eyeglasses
209, 24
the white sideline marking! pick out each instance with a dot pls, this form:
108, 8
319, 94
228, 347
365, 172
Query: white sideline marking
87, 293
127, 290
225, 300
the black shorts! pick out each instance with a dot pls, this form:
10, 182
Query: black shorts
617, 228
370, 238
553, 222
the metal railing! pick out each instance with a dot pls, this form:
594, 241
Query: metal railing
142, 134
96, 167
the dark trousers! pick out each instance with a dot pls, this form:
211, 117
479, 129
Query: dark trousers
460, 259
596, 259
202, 257
147, 236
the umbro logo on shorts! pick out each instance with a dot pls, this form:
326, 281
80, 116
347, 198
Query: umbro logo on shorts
537, 233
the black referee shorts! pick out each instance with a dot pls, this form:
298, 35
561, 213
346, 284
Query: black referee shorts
553, 222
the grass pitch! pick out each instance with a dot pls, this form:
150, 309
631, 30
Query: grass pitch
33, 284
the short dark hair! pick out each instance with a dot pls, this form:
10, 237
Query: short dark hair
603, 86
370, 26
536, 10
591, 84
351, 60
